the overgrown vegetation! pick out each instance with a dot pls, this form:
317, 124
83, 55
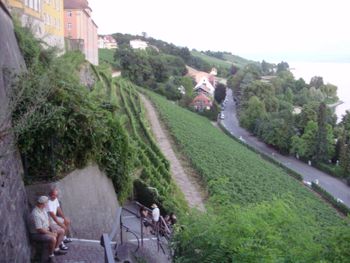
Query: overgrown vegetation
256, 212
69, 126
154, 183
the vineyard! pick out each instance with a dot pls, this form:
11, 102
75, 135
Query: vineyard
237, 176
154, 182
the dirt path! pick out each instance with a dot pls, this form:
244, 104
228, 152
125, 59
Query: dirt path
189, 187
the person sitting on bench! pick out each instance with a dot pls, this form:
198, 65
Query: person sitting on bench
40, 229
57, 218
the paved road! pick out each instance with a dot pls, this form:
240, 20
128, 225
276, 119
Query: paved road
334, 186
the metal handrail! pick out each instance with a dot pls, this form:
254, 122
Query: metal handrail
162, 225
137, 238
106, 244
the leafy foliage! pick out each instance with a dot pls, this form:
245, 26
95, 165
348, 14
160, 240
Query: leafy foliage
154, 185
76, 126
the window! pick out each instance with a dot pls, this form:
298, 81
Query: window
69, 13
69, 26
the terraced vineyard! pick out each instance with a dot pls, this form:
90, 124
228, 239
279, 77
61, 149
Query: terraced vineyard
236, 175
154, 184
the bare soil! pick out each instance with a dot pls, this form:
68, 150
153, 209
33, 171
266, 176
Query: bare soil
184, 175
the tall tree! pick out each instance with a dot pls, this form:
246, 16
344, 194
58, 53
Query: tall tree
283, 66
344, 142
325, 142
316, 82
254, 112
220, 92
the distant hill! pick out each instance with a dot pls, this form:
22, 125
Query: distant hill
200, 60
221, 59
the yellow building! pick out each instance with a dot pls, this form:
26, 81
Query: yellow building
29, 13
52, 14
44, 17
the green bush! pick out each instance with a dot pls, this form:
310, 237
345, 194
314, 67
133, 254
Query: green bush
61, 125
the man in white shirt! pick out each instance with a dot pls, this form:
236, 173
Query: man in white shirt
57, 218
41, 231
155, 217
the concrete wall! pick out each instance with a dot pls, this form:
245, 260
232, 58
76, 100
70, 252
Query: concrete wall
14, 244
88, 198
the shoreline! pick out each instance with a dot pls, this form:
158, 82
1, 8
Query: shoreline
335, 104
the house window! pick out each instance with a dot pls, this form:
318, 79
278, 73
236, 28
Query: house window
69, 26
69, 13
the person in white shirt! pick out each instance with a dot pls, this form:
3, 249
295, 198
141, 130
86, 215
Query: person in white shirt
41, 230
57, 218
155, 217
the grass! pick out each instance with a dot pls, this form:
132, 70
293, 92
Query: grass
232, 173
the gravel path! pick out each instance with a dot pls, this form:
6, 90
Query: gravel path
189, 187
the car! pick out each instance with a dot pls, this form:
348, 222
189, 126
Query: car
222, 116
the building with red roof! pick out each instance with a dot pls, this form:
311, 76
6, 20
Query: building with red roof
202, 102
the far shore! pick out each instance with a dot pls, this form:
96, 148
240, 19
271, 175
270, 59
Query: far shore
335, 104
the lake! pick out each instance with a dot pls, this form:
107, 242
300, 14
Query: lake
334, 73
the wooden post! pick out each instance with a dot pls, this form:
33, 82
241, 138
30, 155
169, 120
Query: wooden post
141, 230
121, 230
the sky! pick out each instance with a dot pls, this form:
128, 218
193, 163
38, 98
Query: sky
273, 30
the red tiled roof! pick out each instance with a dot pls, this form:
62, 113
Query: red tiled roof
202, 98
76, 4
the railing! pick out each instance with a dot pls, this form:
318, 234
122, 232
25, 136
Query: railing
106, 244
128, 229
162, 228
107, 239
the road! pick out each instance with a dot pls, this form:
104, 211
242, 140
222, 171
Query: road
333, 185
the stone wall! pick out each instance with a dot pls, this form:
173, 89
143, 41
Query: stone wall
87, 197
14, 243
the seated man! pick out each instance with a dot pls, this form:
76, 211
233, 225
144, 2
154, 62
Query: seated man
57, 218
40, 229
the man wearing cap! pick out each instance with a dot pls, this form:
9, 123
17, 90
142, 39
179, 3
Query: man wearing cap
40, 229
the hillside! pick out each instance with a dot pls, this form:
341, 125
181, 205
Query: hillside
284, 215
226, 61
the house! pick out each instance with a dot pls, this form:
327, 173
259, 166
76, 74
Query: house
201, 102
45, 18
204, 85
107, 42
138, 44
80, 30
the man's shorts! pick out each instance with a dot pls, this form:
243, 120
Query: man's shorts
56, 228
59, 219
41, 237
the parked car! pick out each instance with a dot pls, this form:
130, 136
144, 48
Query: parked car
222, 116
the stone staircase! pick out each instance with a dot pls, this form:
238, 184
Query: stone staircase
131, 249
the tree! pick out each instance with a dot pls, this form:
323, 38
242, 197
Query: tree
330, 91
233, 70
308, 113
282, 66
325, 140
305, 145
220, 92
267, 68
316, 82
254, 111
344, 143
